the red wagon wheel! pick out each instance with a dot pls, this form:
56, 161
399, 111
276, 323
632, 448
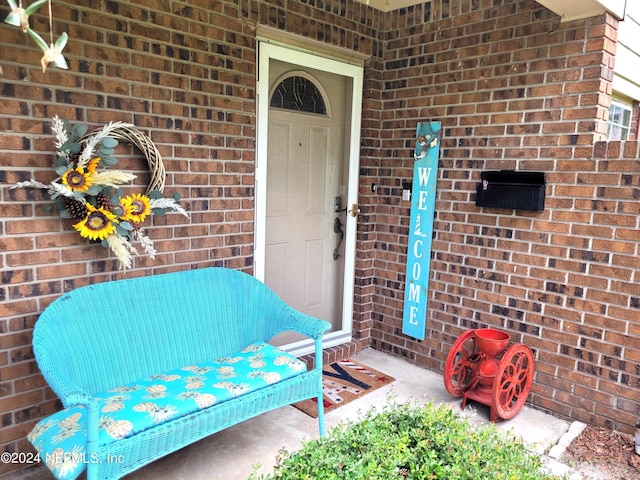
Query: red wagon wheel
461, 367
513, 380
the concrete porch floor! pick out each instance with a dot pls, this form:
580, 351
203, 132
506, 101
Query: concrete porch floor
232, 453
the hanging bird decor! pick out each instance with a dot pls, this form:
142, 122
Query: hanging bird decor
52, 52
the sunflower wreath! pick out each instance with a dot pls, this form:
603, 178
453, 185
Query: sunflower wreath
86, 190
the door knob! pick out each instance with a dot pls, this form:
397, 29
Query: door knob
354, 210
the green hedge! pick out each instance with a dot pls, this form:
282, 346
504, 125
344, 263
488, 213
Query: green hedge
413, 442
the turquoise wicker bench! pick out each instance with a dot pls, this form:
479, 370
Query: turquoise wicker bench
145, 366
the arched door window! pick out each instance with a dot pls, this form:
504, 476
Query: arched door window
299, 94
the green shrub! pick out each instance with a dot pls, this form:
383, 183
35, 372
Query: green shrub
413, 442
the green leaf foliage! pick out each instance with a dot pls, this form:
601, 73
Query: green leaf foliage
108, 161
72, 147
121, 230
61, 169
109, 142
411, 441
94, 190
79, 130
59, 205
104, 152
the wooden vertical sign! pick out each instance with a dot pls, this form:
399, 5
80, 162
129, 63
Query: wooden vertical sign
423, 198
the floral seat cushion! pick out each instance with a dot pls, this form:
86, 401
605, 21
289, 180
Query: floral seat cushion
61, 438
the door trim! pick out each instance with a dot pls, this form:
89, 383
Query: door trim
291, 41
268, 51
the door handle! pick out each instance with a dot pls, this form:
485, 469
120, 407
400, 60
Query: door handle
354, 210
337, 228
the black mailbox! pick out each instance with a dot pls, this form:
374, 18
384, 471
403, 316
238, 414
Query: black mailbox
511, 189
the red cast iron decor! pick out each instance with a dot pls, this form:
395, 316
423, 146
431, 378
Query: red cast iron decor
478, 368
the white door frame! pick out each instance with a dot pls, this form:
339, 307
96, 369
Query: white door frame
268, 51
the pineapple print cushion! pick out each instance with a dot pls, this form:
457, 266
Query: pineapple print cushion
60, 438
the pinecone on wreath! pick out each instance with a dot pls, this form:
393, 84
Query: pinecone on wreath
76, 208
103, 201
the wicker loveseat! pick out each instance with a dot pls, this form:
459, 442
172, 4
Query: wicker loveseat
145, 366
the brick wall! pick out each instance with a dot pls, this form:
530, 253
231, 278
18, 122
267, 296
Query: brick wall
184, 73
190, 88
514, 88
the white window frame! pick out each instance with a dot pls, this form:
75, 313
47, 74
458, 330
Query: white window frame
619, 130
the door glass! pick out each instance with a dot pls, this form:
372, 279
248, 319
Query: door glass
298, 94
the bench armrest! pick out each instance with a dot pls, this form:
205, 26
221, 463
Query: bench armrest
80, 398
93, 418
306, 324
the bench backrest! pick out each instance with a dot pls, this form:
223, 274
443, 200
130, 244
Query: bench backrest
106, 335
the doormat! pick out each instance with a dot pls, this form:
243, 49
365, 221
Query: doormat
343, 382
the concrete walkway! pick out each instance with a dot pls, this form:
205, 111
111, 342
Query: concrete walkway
230, 454
233, 453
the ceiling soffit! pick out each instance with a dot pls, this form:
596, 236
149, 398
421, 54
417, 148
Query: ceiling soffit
566, 9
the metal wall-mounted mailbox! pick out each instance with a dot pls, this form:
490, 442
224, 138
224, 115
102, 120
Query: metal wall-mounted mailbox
511, 189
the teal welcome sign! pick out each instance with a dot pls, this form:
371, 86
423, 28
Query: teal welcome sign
423, 198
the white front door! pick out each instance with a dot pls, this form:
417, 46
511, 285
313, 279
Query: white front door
305, 183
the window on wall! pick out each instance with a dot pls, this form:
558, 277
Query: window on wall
619, 121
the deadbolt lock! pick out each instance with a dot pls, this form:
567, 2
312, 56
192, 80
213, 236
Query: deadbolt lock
354, 210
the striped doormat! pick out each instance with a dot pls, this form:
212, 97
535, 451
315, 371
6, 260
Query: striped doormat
343, 382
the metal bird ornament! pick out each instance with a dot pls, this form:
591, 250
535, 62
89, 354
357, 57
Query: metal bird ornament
19, 17
52, 52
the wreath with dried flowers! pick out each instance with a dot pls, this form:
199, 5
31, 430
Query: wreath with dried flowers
87, 191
